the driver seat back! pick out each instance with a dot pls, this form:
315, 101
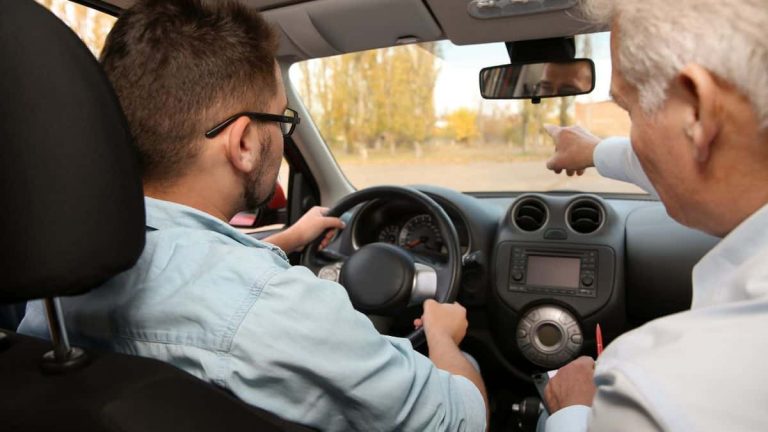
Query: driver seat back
73, 217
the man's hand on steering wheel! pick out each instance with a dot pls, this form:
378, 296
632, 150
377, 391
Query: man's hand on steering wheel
384, 279
307, 228
443, 320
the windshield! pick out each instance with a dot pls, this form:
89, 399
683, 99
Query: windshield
413, 115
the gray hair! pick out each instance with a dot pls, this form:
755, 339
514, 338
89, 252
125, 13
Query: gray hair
659, 37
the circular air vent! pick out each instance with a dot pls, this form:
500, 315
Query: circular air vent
530, 214
585, 216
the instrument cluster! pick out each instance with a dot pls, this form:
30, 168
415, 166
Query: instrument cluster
401, 225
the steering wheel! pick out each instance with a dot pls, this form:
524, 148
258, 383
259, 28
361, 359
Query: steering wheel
384, 279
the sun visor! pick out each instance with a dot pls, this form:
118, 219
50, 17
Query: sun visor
463, 23
329, 27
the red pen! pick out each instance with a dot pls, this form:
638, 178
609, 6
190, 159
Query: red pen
599, 338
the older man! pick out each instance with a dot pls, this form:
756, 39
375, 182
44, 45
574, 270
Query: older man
699, 110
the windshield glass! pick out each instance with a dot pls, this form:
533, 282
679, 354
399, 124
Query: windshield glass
413, 115
89, 24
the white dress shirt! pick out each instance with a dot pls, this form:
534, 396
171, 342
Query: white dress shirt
698, 370
614, 158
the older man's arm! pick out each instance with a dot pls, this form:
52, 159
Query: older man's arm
581, 401
577, 149
569, 396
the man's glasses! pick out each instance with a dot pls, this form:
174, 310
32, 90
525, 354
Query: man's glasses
288, 121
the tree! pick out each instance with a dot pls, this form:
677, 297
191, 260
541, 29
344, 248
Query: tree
361, 99
462, 124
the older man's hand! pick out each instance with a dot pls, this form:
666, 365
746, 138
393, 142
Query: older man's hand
573, 385
574, 146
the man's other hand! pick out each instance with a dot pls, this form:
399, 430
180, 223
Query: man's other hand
307, 228
573, 385
443, 320
574, 147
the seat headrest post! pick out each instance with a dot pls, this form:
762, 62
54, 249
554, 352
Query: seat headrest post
63, 357
57, 328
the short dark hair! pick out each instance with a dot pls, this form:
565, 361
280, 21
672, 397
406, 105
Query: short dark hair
181, 66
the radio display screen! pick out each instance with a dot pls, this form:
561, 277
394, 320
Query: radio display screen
553, 271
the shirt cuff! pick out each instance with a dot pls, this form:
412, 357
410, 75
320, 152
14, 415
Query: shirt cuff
569, 419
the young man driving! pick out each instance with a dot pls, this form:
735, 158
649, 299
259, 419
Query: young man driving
206, 105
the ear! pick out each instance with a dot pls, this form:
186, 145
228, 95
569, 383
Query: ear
702, 91
242, 148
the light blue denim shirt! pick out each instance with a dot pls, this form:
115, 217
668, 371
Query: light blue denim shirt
230, 309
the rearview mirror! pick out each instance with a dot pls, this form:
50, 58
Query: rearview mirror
538, 80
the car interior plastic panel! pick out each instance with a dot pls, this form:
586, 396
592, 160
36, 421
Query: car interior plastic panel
260, 4
462, 29
328, 27
661, 255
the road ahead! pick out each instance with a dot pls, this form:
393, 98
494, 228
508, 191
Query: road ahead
483, 176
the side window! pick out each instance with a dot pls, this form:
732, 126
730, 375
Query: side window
91, 25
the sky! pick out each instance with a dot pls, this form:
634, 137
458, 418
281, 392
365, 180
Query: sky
458, 83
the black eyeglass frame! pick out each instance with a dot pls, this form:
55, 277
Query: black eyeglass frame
293, 121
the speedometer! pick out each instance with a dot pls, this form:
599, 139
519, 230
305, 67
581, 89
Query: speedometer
421, 234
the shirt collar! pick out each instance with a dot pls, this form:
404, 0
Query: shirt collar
166, 215
724, 274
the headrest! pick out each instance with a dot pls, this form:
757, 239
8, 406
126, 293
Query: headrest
71, 203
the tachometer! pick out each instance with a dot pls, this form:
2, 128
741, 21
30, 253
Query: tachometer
389, 234
421, 234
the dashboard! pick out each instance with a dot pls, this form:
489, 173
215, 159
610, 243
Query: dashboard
541, 270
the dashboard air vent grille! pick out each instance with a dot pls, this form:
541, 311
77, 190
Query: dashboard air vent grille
530, 214
585, 216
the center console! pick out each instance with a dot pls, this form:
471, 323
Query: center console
556, 267
552, 287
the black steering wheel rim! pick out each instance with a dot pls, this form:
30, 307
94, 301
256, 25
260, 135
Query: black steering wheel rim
448, 274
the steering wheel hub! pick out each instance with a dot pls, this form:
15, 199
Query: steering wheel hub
379, 278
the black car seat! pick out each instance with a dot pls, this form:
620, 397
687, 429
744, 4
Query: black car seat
72, 217
11, 315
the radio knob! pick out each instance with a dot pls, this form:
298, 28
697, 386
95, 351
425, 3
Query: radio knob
517, 276
587, 281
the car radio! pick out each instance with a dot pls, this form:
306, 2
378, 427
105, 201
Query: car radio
569, 272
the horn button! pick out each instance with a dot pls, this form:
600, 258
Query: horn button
379, 278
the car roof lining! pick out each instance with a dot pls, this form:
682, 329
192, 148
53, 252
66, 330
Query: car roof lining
321, 28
